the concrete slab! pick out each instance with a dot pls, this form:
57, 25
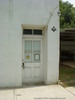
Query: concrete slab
71, 90
50, 92
7, 95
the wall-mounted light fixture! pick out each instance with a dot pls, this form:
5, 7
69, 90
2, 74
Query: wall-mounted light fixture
59, 13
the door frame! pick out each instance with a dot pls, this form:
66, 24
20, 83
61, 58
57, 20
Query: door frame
33, 38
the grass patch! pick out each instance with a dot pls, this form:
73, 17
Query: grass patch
66, 75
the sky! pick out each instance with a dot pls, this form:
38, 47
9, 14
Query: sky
71, 1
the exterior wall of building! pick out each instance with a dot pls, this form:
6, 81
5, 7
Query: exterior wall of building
53, 50
14, 14
10, 46
67, 45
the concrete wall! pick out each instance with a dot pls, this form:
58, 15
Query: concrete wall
14, 13
53, 49
10, 46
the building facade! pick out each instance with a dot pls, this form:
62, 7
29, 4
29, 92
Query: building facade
29, 42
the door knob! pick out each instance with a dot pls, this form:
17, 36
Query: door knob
23, 65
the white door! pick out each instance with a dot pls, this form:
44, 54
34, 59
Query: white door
32, 56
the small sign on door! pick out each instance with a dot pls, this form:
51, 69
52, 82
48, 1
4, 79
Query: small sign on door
37, 57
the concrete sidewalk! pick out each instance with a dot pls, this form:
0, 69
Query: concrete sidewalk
71, 90
48, 92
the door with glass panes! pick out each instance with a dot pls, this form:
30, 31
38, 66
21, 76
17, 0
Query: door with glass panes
32, 64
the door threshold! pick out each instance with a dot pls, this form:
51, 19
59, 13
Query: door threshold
33, 84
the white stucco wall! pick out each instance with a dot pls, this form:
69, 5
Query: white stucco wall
14, 13
10, 47
53, 50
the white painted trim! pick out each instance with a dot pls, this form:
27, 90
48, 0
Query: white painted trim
32, 36
33, 26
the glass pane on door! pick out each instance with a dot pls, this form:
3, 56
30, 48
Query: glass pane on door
28, 51
36, 51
